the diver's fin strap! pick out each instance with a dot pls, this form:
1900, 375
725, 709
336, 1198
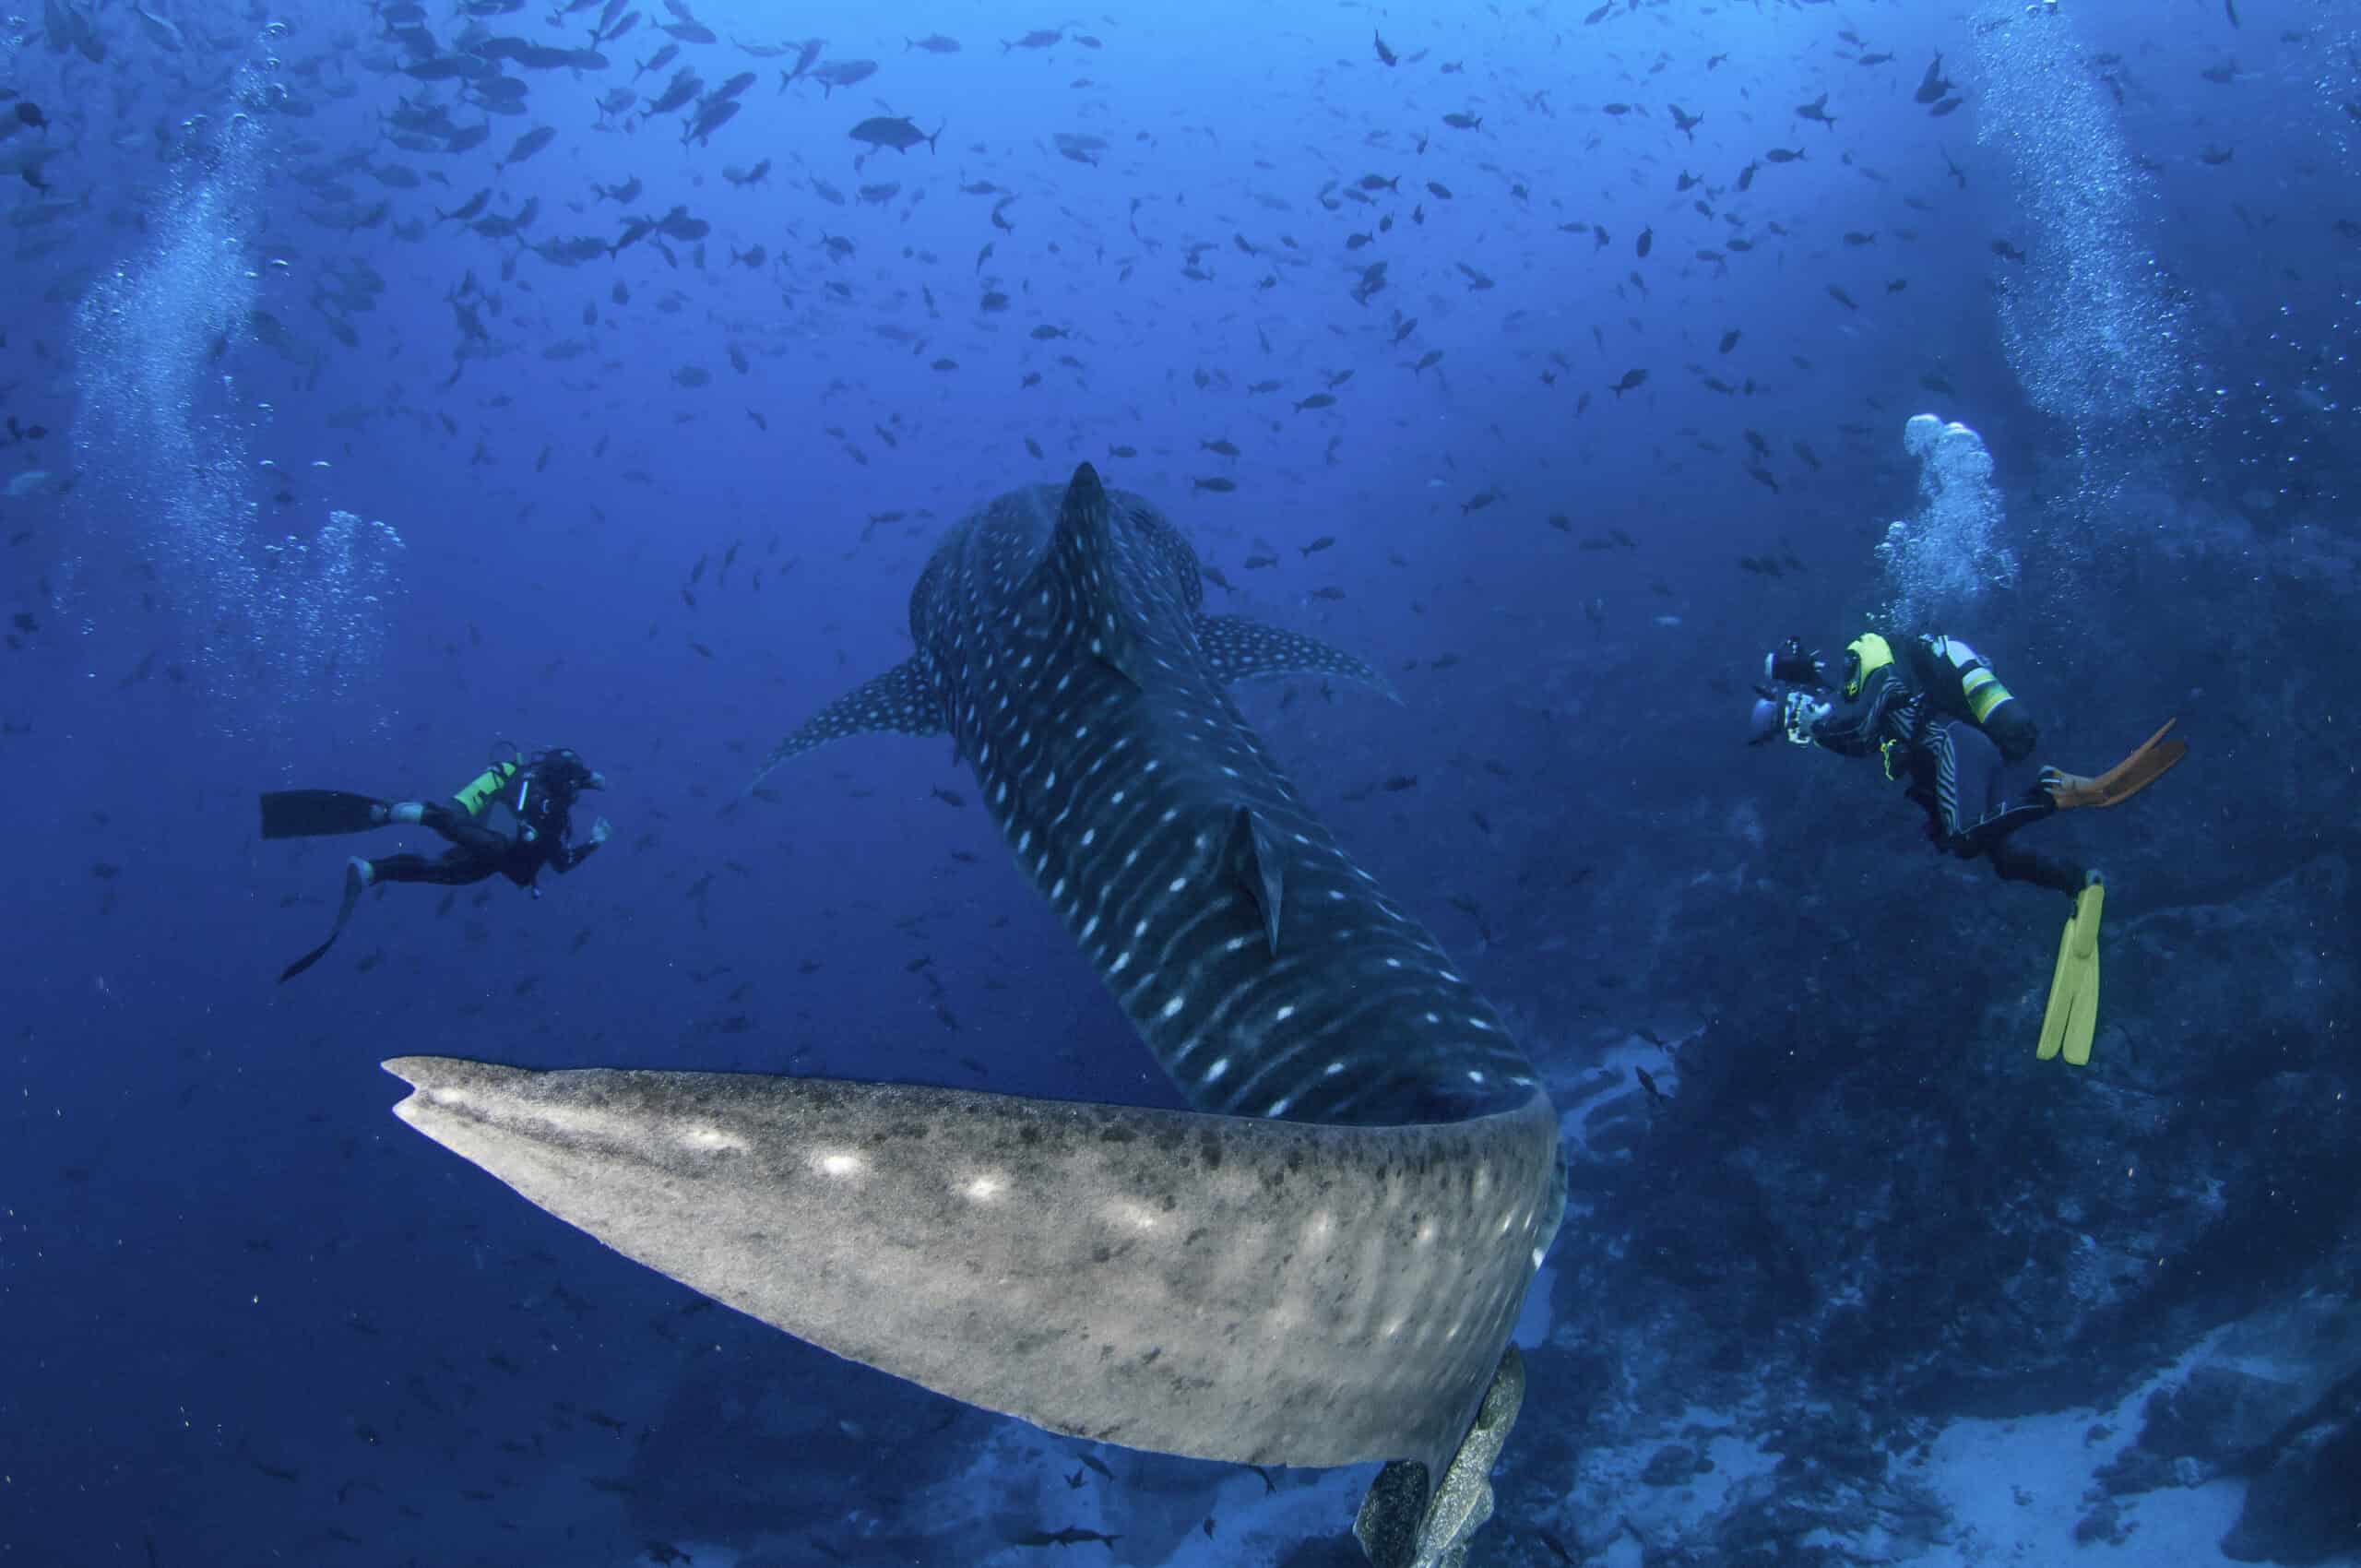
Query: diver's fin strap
2155, 757
1400, 1526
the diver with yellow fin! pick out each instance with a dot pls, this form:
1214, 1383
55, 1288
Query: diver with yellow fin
1956, 740
539, 793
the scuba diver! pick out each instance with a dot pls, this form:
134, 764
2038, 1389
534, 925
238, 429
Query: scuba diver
1958, 740
538, 792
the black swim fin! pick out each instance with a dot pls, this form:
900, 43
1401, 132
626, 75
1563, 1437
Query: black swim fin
308, 814
355, 883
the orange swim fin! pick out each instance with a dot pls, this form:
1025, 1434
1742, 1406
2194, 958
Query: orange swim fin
2155, 757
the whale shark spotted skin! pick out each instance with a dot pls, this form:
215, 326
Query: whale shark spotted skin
1319, 1264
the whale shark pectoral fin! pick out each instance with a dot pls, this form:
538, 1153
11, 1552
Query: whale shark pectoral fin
1405, 1521
1255, 861
1240, 649
1221, 1287
899, 702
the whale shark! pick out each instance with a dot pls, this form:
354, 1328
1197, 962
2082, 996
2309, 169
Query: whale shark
1319, 1263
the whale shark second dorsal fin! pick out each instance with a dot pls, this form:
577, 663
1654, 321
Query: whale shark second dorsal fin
1256, 862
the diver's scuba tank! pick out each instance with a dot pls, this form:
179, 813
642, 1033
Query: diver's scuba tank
477, 795
1994, 708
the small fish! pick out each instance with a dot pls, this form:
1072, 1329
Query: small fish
1729, 340
531, 142
1649, 1083
1072, 1534
1217, 484
1932, 85
1384, 56
1633, 380
892, 131
843, 73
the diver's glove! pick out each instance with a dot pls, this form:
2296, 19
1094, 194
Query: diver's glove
1802, 713
601, 830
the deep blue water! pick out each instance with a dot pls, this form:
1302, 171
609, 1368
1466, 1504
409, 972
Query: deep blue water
334, 492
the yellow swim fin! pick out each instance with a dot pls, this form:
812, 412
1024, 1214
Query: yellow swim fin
2073, 1012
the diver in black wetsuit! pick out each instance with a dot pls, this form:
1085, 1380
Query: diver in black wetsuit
538, 794
1956, 738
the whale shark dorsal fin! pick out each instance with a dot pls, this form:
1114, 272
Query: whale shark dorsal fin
1240, 649
900, 702
1256, 862
1079, 582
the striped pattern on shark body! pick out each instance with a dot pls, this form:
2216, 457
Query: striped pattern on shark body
1060, 643
1319, 1265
